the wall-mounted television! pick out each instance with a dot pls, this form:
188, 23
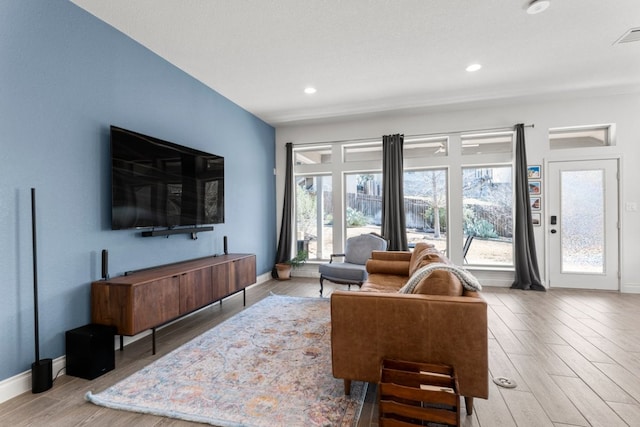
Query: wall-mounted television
156, 183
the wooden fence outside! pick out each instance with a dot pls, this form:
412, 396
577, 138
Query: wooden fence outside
415, 209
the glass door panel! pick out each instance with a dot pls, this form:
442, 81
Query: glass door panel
582, 221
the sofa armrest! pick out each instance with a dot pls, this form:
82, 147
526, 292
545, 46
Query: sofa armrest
368, 327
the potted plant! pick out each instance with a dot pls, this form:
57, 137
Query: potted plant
284, 268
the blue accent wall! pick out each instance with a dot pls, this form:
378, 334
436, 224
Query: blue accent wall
65, 77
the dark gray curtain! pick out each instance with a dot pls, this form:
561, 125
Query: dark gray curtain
286, 230
393, 218
525, 259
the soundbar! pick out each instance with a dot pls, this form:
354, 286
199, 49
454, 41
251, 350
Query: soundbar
170, 231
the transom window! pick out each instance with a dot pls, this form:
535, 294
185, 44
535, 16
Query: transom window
312, 155
581, 137
370, 151
425, 147
487, 143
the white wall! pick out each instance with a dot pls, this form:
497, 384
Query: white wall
619, 109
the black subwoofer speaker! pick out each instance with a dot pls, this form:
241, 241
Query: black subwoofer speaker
90, 351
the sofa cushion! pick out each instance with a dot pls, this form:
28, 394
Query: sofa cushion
389, 283
433, 281
404, 256
416, 255
423, 254
470, 284
380, 266
439, 282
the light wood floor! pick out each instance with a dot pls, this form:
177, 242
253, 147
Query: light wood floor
575, 356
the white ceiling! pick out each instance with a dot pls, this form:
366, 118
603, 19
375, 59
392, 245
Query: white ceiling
369, 56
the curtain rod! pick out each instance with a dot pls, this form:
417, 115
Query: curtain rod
497, 129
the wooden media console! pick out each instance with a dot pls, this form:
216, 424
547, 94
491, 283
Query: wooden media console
150, 298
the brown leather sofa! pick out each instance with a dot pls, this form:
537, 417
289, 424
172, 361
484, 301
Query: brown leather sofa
441, 322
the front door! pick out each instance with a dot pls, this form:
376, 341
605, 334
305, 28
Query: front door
582, 224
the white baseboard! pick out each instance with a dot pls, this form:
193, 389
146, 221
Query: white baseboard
21, 383
630, 289
262, 278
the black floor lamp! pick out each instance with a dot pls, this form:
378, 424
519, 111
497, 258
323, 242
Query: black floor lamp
41, 369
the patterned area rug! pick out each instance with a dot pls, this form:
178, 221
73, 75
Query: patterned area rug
269, 365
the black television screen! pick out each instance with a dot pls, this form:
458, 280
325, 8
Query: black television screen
155, 183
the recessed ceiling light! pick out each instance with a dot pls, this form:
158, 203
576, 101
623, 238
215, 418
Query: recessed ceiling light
473, 67
310, 90
537, 6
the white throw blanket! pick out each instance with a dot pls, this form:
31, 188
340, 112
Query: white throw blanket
469, 282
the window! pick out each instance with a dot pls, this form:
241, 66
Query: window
581, 137
425, 203
363, 152
488, 215
313, 215
327, 216
425, 147
487, 143
363, 203
312, 155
